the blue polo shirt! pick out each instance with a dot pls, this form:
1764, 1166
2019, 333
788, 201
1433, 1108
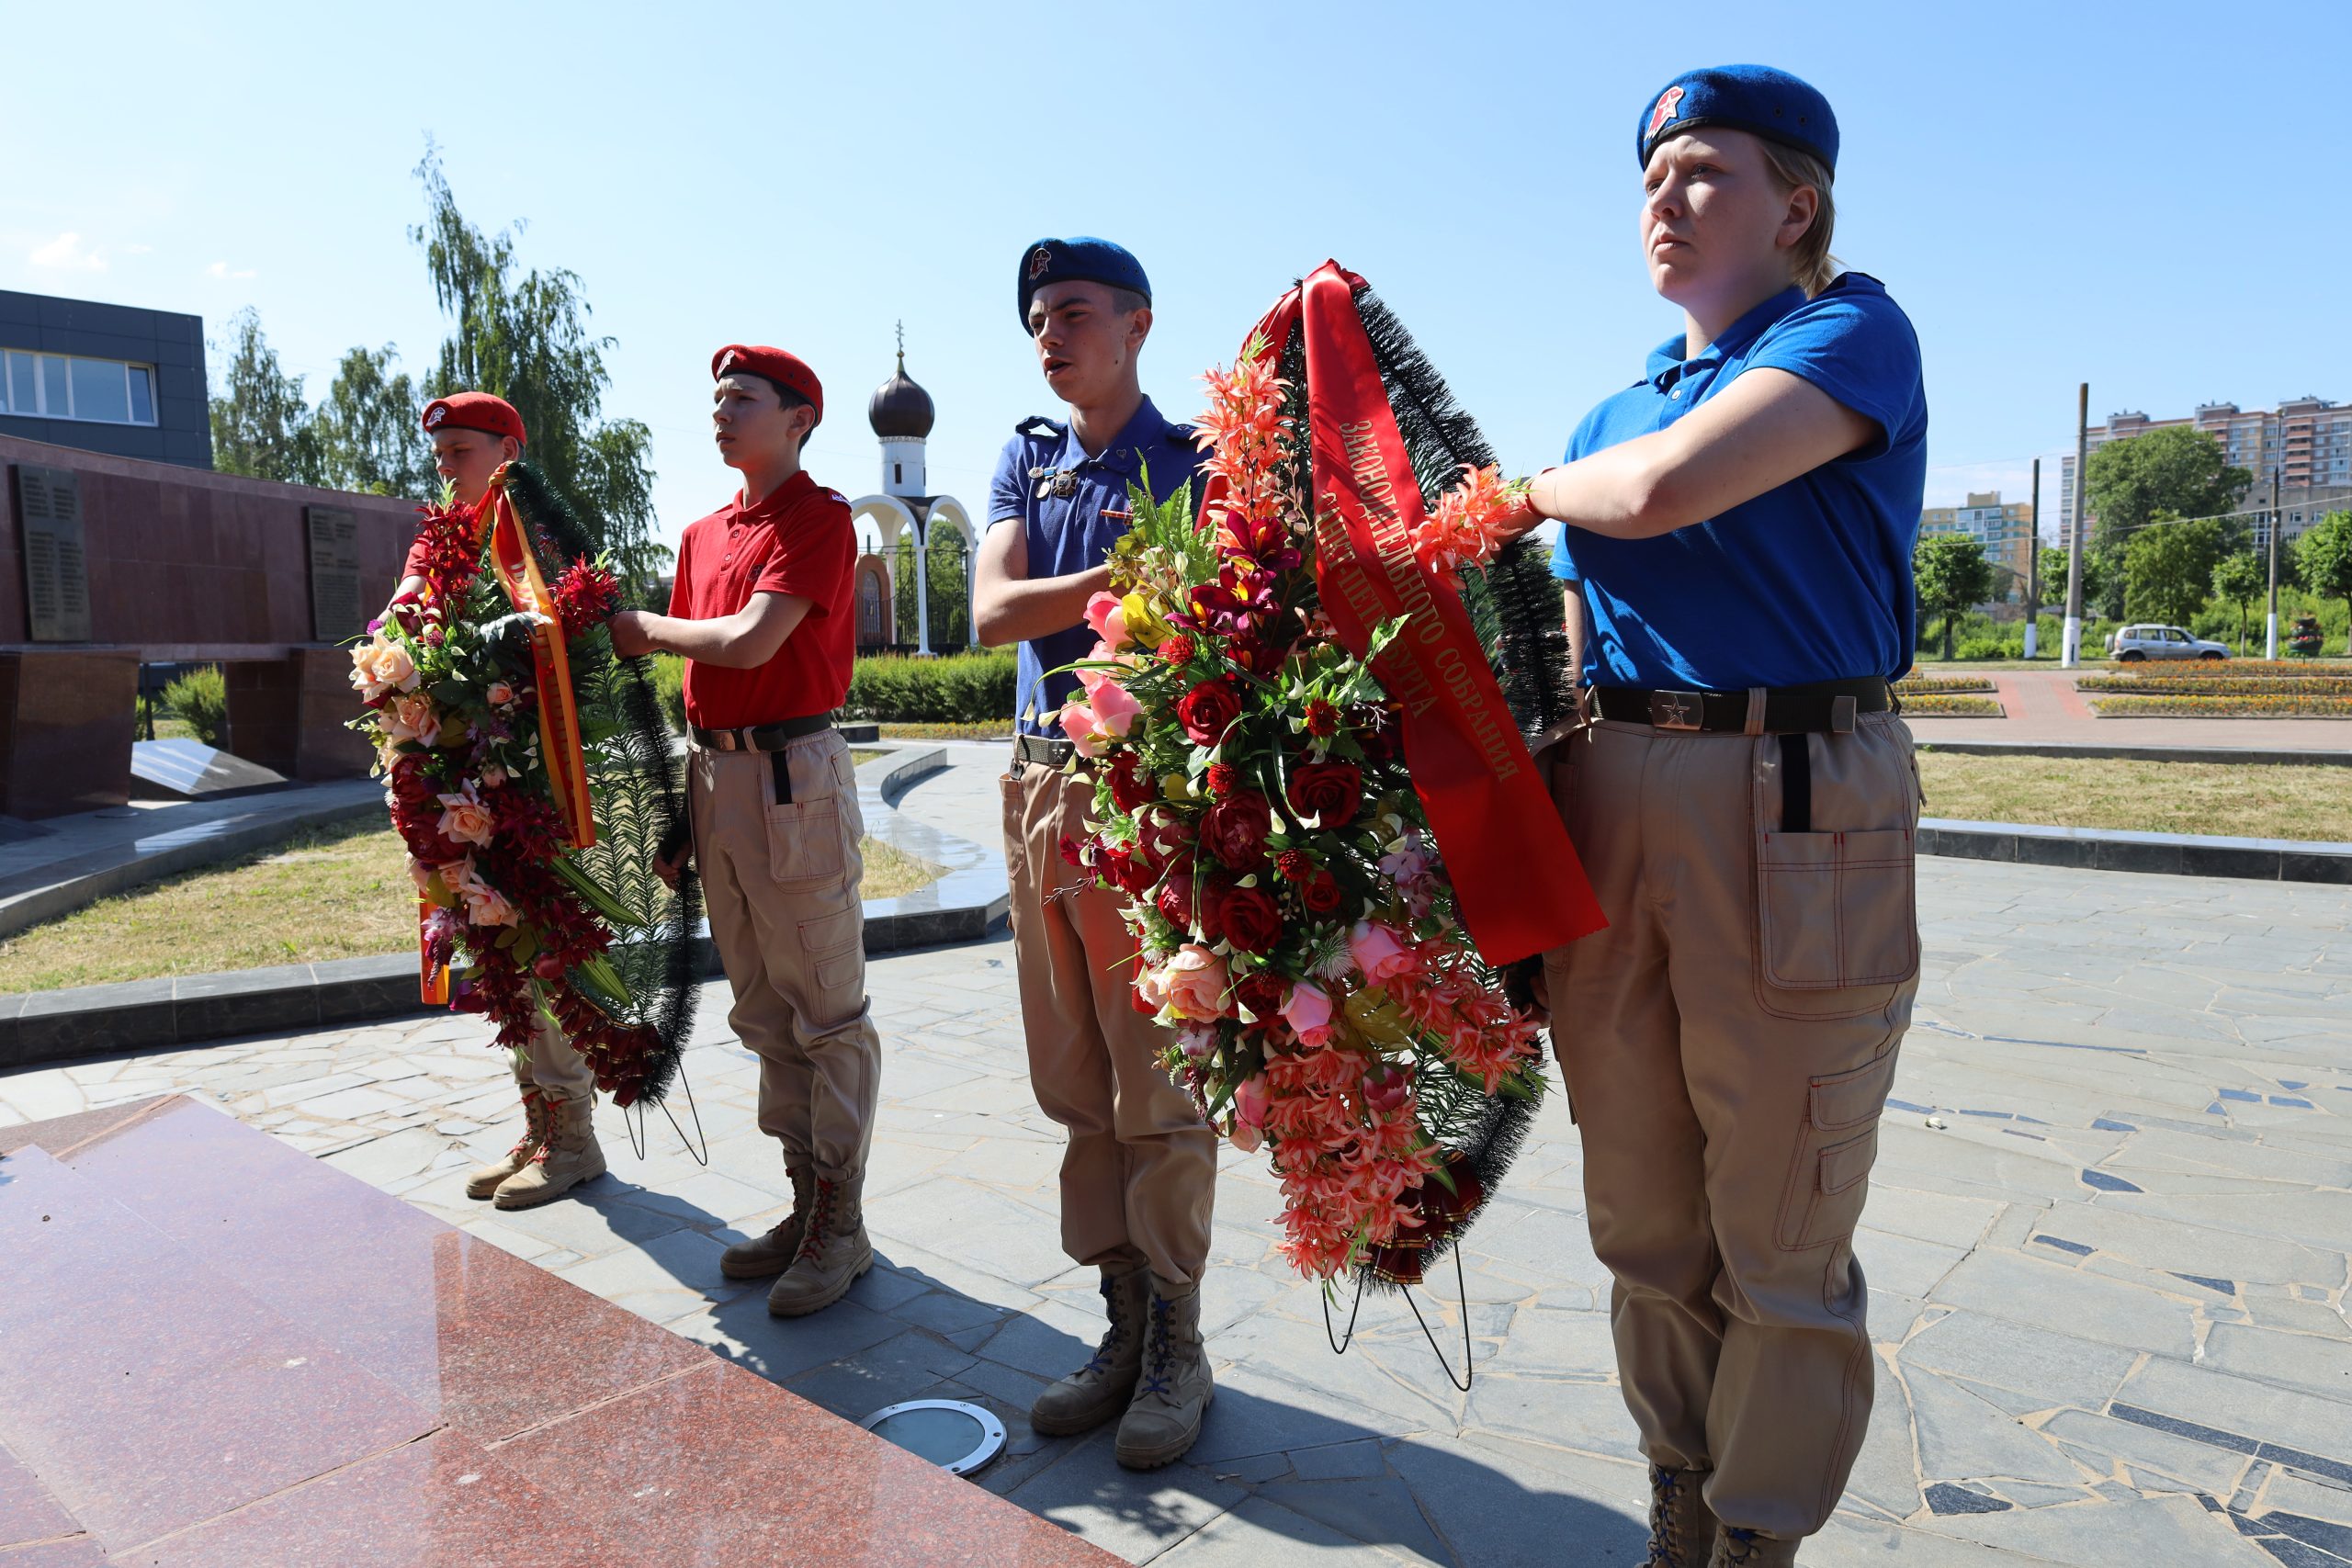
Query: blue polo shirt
1074, 533
1809, 582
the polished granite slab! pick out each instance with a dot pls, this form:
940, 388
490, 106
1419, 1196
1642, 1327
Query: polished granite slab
217, 1350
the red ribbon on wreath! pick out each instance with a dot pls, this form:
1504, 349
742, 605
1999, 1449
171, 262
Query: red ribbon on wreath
1491, 812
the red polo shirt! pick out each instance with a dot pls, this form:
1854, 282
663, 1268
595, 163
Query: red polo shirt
798, 540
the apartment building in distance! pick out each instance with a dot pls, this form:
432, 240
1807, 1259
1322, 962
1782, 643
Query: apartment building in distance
2308, 440
2004, 529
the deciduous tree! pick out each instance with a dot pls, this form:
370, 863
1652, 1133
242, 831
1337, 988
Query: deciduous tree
2241, 578
366, 431
2175, 471
261, 424
2324, 557
2168, 569
1952, 576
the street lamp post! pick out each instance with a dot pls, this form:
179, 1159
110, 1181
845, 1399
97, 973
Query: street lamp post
2032, 565
2070, 645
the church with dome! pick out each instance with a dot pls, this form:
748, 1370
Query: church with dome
902, 414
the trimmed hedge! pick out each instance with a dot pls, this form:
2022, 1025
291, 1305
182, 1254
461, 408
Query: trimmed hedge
957, 688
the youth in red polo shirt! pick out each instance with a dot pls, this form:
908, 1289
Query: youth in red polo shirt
797, 540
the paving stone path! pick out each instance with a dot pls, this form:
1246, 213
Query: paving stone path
2106, 1242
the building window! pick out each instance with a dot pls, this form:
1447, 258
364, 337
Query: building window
898, 473
58, 386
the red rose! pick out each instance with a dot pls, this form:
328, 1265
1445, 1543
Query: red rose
1251, 920
1174, 899
1130, 875
1321, 894
410, 784
1262, 992
1209, 710
1331, 791
1235, 828
1129, 786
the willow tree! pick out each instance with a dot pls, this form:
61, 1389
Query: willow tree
523, 336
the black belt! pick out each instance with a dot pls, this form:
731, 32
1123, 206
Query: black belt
760, 737
769, 737
1829, 707
1043, 749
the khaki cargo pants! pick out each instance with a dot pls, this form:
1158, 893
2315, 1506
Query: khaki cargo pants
782, 882
552, 1066
1139, 1176
1728, 1042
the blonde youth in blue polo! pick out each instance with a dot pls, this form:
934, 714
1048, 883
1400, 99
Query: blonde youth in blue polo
1734, 557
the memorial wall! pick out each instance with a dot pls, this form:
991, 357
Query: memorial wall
107, 562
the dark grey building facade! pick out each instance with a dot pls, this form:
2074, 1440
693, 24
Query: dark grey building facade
109, 378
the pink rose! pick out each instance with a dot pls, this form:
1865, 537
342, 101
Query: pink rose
413, 718
1250, 1104
1077, 722
422, 875
1378, 953
1195, 983
1115, 709
1150, 987
1109, 621
464, 819
485, 905
500, 692
1308, 1010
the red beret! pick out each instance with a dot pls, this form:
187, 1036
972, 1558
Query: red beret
474, 411
784, 369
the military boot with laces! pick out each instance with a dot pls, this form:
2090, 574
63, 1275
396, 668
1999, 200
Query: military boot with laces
569, 1156
1102, 1388
1163, 1420
1682, 1528
773, 1251
483, 1180
833, 1251
1745, 1548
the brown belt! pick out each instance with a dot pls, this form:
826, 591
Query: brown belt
1828, 707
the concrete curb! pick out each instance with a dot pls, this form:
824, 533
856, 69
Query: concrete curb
2170, 854
2093, 751
160, 1015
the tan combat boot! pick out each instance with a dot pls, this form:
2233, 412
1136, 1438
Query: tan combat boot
484, 1181
772, 1252
1102, 1388
1745, 1548
1172, 1395
1682, 1528
570, 1156
833, 1251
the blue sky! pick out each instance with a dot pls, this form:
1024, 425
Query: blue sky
2147, 197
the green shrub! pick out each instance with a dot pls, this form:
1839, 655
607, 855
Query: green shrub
201, 698
669, 686
957, 688
1989, 647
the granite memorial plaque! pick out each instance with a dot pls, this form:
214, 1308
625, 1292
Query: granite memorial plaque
57, 570
338, 610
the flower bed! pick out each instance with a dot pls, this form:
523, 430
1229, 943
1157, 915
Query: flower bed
1946, 706
1930, 685
2285, 706
2213, 686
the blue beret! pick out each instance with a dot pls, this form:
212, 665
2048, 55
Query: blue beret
1754, 98
1079, 259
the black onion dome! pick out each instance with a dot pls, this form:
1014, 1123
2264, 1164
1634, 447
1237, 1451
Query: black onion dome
899, 408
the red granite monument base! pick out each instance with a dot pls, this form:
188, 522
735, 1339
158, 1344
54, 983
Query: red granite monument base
219, 1351
290, 715
67, 721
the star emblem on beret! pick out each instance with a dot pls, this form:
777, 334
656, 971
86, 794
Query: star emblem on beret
725, 360
1039, 260
435, 414
1662, 116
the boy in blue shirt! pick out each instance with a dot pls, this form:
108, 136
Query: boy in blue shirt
1140, 1171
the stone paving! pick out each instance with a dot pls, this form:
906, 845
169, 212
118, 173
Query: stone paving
2106, 1244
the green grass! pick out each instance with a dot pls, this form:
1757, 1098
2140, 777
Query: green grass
341, 892
2257, 800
